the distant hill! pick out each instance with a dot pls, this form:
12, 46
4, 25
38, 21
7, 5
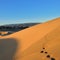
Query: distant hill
11, 28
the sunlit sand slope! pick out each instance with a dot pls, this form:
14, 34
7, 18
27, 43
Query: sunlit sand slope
51, 43
40, 42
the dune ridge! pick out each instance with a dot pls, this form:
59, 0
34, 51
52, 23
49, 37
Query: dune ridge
31, 41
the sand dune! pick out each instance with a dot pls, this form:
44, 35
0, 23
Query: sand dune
40, 42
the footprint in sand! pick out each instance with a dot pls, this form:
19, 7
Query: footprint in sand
52, 58
42, 51
46, 52
48, 56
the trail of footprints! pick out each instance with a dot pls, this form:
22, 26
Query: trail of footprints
47, 55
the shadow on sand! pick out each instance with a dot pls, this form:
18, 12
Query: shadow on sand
7, 48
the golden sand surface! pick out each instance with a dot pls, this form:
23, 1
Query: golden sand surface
39, 42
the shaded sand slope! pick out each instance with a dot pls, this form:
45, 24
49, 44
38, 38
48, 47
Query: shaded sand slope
8, 48
31, 41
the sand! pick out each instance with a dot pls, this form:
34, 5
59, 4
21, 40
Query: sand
3, 32
39, 42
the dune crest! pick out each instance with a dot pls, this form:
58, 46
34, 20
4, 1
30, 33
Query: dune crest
35, 43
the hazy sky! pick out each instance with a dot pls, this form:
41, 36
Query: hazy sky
20, 11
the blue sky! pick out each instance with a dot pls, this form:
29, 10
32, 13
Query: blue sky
22, 11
